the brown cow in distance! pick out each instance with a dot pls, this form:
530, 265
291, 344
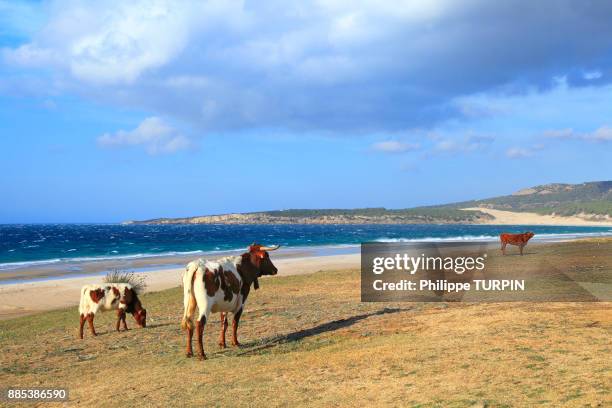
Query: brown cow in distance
519, 240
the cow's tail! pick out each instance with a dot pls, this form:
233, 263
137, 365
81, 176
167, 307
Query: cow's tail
189, 299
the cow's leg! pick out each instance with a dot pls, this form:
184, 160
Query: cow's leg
521, 248
200, 335
503, 248
235, 327
204, 304
187, 324
119, 316
223, 330
124, 322
82, 324
90, 320
189, 352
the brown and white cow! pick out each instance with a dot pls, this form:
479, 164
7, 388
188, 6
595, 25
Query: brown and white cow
221, 286
519, 240
110, 296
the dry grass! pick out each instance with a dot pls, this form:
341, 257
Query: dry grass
119, 276
307, 340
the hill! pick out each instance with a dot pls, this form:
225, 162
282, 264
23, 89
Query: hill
590, 201
422, 215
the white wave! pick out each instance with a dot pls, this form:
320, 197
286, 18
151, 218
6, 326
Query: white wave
539, 236
572, 235
461, 238
16, 265
133, 256
13, 265
441, 239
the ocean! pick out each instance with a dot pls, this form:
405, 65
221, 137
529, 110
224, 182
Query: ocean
40, 244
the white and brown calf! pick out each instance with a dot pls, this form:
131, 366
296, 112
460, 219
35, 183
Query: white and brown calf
110, 296
221, 286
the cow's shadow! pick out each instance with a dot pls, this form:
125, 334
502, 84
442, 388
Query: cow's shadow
156, 325
316, 330
518, 253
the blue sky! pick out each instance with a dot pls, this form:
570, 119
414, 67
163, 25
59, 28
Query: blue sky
117, 110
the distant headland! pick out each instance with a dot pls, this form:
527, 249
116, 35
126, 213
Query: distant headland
550, 204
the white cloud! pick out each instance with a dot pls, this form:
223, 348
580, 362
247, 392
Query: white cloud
466, 144
602, 134
155, 136
135, 39
518, 153
117, 42
187, 81
591, 75
29, 55
394, 146
559, 133
447, 146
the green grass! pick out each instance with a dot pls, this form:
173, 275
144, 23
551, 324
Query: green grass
419, 214
599, 207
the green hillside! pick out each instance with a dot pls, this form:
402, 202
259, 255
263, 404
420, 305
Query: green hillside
420, 213
593, 198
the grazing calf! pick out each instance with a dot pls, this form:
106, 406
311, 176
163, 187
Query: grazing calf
221, 286
519, 240
110, 296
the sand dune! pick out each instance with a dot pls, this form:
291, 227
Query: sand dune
527, 218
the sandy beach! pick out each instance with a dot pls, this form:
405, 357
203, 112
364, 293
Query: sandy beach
16, 299
527, 218
55, 290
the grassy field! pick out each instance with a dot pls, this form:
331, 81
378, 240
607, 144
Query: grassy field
307, 340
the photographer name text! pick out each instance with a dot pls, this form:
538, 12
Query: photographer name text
446, 286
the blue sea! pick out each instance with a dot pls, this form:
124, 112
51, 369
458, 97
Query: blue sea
40, 244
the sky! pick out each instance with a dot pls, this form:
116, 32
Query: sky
115, 110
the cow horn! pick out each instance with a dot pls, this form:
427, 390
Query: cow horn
272, 248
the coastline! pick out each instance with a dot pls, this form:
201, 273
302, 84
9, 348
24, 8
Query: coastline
78, 267
16, 299
61, 291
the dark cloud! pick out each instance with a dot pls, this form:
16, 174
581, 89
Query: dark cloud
336, 66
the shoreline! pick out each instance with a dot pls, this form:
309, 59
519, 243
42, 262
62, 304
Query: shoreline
50, 294
67, 269
41, 271
16, 299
